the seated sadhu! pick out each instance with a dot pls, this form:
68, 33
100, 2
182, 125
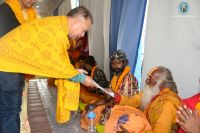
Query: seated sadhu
87, 95
159, 100
123, 82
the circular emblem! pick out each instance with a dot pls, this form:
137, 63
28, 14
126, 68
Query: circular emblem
183, 8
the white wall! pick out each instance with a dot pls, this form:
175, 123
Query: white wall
1, 1
173, 40
99, 33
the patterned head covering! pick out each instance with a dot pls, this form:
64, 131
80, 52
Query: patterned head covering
119, 55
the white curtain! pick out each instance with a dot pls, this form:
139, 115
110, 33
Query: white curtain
173, 40
64, 7
99, 33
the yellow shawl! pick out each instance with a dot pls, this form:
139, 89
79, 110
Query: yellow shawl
197, 106
17, 9
40, 48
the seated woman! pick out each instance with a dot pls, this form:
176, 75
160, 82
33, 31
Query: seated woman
123, 82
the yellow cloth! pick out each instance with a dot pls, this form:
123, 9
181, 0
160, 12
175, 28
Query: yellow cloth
81, 105
68, 99
197, 106
134, 101
100, 128
162, 110
40, 48
22, 15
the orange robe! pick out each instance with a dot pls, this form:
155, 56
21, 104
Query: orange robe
161, 112
137, 121
85, 95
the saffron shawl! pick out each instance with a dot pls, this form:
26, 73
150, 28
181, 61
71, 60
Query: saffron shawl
39, 47
18, 11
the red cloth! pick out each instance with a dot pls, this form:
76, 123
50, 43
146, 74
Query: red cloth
117, 98
190, 102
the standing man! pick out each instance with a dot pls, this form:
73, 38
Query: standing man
12, 14
40, 47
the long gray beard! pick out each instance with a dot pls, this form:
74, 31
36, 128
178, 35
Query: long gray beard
148, 94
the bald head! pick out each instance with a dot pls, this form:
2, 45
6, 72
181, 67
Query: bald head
79, 21
80, 11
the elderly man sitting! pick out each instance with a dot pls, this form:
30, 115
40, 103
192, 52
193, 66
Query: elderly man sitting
159, 100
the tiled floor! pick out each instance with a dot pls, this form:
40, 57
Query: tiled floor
43, 102
36, 112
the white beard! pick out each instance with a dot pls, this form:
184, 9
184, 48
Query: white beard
148, 94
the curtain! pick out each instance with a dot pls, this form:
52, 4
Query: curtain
173, 40
116, 10
98, 35
126, 26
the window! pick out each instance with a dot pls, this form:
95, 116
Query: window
74, 3
138, 68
